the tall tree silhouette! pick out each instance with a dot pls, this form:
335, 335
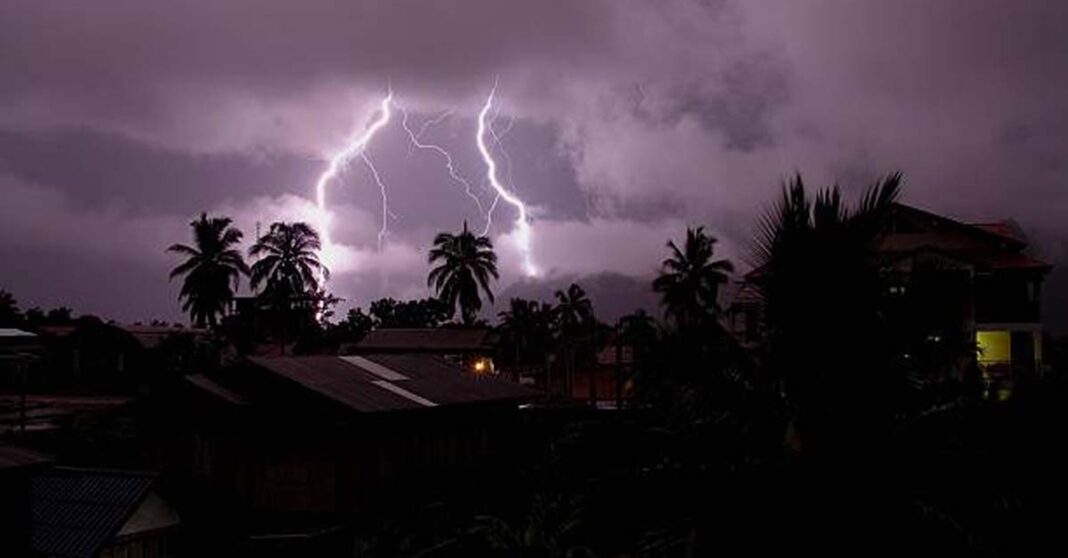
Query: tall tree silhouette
466, 264
10, 315
527, 329
690, 278
573, 308
288, 263
818, 275
576, 324
212, 269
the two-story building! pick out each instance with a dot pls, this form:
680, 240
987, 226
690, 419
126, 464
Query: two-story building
943, 277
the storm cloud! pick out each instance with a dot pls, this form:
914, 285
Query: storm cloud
623, 121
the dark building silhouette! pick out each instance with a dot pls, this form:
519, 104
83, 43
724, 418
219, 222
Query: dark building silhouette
472, 348
944, 278
312, 441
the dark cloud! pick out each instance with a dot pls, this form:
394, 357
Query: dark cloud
99, 169
631, 119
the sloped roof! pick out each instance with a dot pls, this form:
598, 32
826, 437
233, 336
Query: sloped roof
12, 332
151, 336
1013, 261
14, 457
392, 382
1006, 229
212, 387
988, 231
75, 512
440, 340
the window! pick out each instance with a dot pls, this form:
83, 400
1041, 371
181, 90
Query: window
994, 346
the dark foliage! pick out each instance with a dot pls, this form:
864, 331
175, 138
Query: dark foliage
466, 265
423, 313
212, 269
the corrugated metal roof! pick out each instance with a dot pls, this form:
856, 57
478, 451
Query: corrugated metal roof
442, 340
428, 381
75, 512
12, 332
211, 386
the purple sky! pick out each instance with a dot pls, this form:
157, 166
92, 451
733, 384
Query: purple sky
626, 120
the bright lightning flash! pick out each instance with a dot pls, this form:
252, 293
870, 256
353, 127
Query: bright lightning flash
355, 147
522, 224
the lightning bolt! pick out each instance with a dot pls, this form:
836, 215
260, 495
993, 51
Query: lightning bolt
355, 147
386, 213
522, 228
416, 140
507, 160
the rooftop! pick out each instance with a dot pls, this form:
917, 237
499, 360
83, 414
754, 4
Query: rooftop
75, 512
392, 382
439, 340
12, 332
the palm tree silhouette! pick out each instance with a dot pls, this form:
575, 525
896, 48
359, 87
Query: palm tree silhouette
573, 308
818, 275
528, 325
467, 263
288, 262
574, 313
212, 270
689, 279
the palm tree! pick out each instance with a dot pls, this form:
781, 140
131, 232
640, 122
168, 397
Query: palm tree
819, 279
574, 313
574, 309
288, 262
689, 279
467, 263
212, 270
528, 327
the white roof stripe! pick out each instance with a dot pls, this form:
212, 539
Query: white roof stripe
375, 368
404, 393
12, 332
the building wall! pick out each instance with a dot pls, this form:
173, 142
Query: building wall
324, 467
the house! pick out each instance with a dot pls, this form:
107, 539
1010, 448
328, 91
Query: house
311, 441
943, 277
254, 320
470, 347
87, 355
18, 351
89, 513
91, 356
16, 341
979, 274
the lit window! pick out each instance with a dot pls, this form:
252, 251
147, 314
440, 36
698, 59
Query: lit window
994, 346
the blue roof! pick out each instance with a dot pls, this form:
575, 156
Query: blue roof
76, 512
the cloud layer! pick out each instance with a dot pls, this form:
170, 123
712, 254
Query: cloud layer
626, 120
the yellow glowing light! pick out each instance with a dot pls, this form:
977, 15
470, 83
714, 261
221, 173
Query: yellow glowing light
480, 366
994, 346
